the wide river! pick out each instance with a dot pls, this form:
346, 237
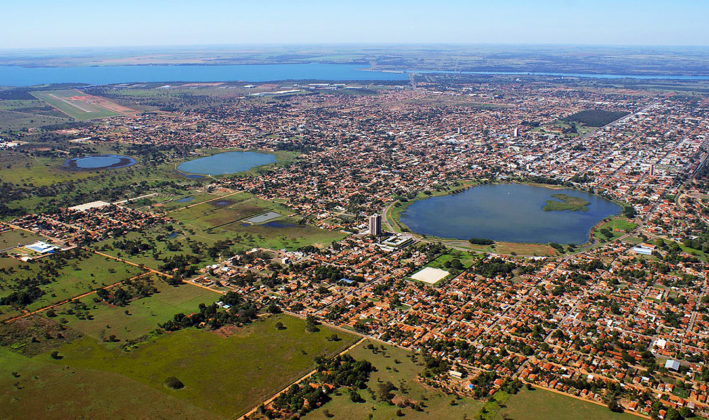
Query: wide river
105, 75
226, 163
508, 213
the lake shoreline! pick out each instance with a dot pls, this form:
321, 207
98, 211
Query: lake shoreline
396, 216
124, 162
228, 168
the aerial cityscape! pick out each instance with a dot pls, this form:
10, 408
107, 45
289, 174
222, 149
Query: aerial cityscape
417, 221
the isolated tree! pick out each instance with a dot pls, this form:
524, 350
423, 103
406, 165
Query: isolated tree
311, 324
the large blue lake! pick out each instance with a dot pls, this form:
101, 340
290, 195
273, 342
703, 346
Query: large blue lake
508, 213
226, 163
104, 75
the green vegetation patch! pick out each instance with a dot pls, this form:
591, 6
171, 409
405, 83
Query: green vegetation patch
17, 120
596, 117
400, 368
613, 228
456, 260
15, 237
565, 202
539, 404
52, 279
225, 219
204, 232
17, 168
224, 375
119, 324
32, 388
34, 334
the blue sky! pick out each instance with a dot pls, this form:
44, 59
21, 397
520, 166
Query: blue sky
81, 23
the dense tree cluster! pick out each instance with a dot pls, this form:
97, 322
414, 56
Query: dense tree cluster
493, 267
122, 295
240, 311
338, 372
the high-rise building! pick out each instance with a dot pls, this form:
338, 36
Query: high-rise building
375, 225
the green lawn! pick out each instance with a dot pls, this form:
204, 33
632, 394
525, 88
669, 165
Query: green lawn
397, 366
221, 213
40, 389
95, 184
138, 318
226, 376
543, 405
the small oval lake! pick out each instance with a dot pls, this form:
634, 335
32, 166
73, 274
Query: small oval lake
226, 163
508, 213
99, 162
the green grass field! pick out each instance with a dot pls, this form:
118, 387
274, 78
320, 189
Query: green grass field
222, 219
11, 239
465, 258
140, 316
225, 376
169, 200
64, 100
16, 120
205, 224
81, 275
397, 366
506, 248
31, 388
542, 405
19, 169
617, 226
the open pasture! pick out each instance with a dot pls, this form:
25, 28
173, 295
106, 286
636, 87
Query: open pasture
222, 212
141, 316
17, 120
59, 277
539, 404
31, 389
14, 237
19, 169
227, 218
226, 376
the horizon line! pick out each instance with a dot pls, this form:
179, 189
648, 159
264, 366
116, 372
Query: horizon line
352, 44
